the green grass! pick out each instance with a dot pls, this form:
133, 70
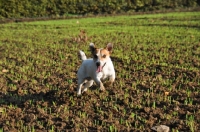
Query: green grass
153, 54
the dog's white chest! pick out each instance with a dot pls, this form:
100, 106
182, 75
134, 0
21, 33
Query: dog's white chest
100, 75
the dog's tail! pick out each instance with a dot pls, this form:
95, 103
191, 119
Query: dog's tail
82, 55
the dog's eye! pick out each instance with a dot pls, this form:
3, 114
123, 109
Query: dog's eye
104, 56
95, 56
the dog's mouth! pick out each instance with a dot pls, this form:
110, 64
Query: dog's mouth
100, 68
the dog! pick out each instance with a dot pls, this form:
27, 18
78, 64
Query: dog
96, 69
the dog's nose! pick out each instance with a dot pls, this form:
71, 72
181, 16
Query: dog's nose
98, 64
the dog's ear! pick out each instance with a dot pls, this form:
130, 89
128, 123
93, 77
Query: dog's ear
92, 47
109, 47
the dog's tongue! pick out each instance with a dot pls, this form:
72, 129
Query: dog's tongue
99, 69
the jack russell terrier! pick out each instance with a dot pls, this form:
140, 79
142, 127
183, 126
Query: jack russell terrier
95, 69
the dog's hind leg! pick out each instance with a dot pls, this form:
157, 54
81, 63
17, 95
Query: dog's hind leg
80, 84
87, 85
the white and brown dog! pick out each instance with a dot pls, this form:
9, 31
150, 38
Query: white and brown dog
97, 69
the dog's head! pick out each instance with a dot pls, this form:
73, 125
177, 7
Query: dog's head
101, 55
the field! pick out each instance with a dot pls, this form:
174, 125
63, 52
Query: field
157, 63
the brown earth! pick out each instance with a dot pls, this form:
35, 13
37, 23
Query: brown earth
139, 99
61, 110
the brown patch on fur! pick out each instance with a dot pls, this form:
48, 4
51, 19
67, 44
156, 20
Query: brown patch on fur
104, 54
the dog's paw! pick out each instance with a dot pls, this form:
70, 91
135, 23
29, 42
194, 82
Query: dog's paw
78, 94
84, 90
102, 88
107, 84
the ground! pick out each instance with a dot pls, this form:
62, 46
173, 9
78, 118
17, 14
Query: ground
156, 58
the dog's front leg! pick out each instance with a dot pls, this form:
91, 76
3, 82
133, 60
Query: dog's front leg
112, 79
99, 83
